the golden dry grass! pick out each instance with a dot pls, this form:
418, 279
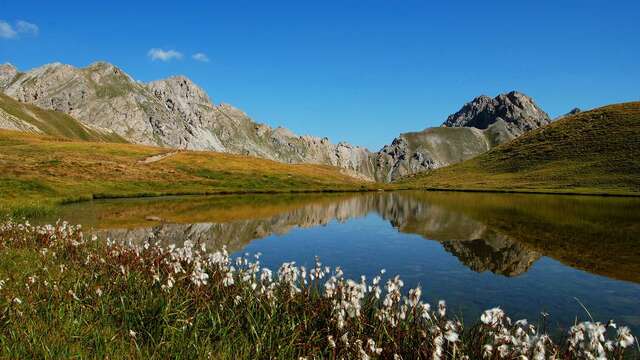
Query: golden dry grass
38, 170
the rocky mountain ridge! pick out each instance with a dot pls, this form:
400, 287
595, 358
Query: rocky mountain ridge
476, 128
173, 112
176, 113
518, 112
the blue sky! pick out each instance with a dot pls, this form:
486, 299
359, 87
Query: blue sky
359, 71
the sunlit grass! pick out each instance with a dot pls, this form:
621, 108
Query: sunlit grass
47, 171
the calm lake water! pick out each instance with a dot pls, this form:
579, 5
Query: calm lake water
525, 253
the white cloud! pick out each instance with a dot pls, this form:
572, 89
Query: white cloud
200, 57
22, 27
27, 28
6, 30
164, 55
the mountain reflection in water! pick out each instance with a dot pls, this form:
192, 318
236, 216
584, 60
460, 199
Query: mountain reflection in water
525, 253
501, 233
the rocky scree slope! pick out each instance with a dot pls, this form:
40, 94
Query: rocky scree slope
176, 113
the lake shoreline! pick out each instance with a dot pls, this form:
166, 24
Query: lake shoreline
40, 209
30, 210
145, 195
532, 192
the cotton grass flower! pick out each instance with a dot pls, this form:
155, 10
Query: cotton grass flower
625, 339
414, 296
442, 308
492, 317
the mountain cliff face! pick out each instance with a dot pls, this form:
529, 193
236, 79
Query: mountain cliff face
429, 149
176, 113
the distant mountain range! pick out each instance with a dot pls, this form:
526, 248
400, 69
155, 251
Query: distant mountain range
105, 102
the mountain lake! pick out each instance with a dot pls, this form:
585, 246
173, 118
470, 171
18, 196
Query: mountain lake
566, 256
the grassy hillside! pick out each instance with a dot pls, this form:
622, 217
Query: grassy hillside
51, 122
449, 145
38, 171
414, 152
592, 152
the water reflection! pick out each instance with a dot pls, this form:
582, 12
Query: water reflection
526, 253
500, 233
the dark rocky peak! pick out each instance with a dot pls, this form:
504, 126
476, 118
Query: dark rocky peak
573, 111
517, 110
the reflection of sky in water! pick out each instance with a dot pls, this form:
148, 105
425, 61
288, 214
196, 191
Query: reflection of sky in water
366, 245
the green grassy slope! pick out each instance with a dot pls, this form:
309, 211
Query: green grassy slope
596, 151
38, 171
53, 122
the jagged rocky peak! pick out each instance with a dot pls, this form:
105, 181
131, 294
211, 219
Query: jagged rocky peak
50, 86
50, 72
8, 67
174, 112
7, 73
104, 67
479, 125
516, 109
182, 88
